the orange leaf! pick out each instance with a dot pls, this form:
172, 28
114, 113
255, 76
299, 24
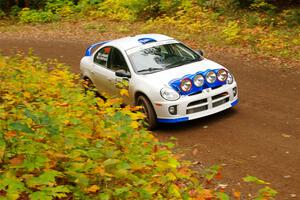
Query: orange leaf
237, 195
10, 134
17, 160
62, 104
205, 195
218, 175
99, 170
93, 189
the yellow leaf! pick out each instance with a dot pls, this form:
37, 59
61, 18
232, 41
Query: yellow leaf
124, 92
93, 189
26, 94
134, 124
66, 122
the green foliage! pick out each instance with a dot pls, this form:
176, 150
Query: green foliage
2, 14
260, 32
291, 17
34, 16
232, 31
57, 142
263, 193
14, 11
266, 192
253, 179
211, 172
63, 8
262, 5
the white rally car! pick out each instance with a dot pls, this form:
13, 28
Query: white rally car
169, 80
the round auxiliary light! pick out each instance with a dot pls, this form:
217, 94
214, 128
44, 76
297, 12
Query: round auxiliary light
211, 77
222, 75
198, 80
186, 85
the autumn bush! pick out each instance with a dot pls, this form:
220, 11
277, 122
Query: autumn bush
259, 32
59, 141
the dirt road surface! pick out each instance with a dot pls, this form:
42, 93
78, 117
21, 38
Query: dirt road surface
260, 136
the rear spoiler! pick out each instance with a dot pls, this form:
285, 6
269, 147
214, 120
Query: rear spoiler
89, 50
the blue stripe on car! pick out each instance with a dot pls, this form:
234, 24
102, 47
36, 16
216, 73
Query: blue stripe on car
235, 102
173, 120
146, 40
88, 51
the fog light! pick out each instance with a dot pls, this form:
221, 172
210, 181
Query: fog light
173, 110
234, 90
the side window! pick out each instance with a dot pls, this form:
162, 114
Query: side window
117, 61
101, 57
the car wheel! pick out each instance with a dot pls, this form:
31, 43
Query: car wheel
148, 110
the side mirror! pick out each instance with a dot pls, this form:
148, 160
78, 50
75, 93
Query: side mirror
200, 52
122, 73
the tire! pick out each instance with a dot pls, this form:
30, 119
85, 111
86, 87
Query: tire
147, 108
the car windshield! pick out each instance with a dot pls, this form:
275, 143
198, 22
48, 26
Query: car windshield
162, 57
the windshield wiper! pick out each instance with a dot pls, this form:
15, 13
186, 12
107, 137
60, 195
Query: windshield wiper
150, 69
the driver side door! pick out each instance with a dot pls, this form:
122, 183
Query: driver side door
102, 76
117, 62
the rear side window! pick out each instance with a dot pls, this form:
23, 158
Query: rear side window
101, 57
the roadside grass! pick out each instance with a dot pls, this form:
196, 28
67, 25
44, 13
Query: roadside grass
207, 28
262, 29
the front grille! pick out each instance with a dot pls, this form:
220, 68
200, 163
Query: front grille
205, 104
197, 109
218, 103
194, 103
218, 96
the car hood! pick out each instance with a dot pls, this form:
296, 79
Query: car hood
164, 77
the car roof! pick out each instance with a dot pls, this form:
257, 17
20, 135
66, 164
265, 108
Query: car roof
136, 41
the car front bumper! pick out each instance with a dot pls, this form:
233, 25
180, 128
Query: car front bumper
208, 102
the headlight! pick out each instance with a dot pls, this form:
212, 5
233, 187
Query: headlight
186, 85
199, 80
230, 78
211, 77
169, 94
222, 75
